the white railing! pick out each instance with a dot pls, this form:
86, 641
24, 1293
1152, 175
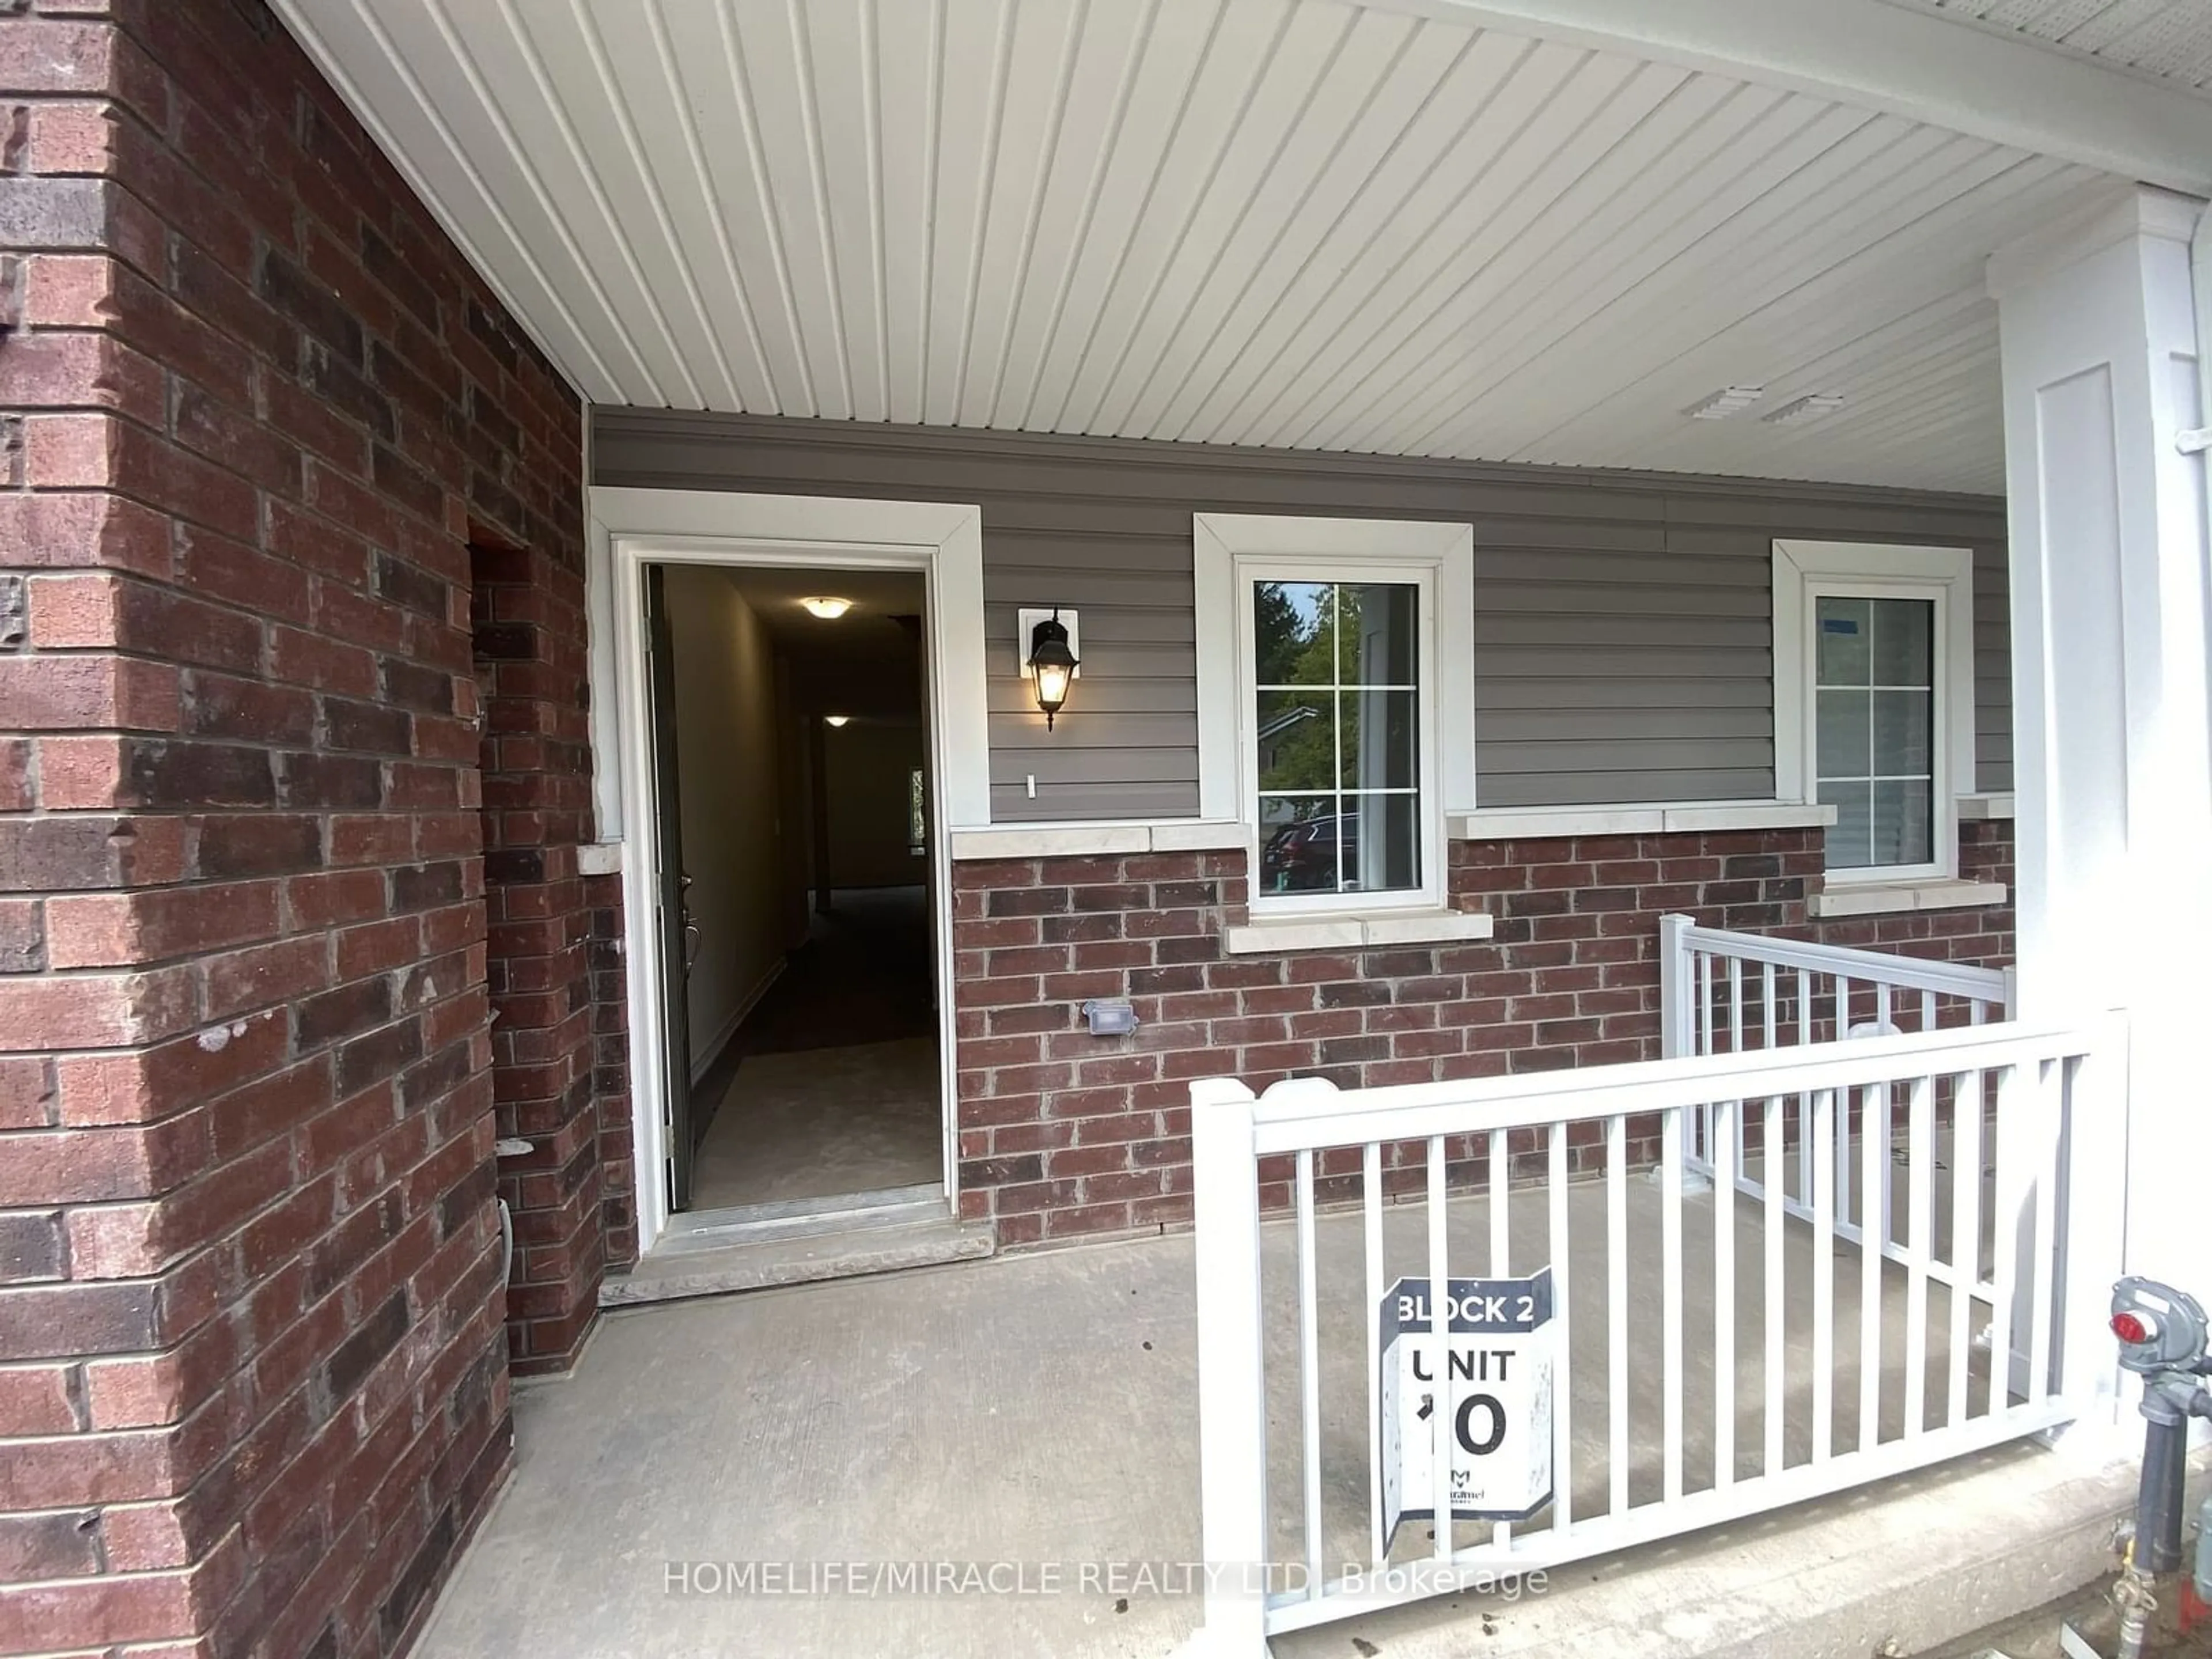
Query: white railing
1722, 991
1706, 1354
1728, 993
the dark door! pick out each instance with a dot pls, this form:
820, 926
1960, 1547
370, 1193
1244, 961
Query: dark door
678, 937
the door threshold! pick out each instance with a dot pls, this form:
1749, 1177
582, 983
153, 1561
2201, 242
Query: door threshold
885, 1206
716, 1252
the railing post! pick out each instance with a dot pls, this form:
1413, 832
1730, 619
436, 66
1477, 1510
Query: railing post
1233, 1405
2092, 1230
1676, 981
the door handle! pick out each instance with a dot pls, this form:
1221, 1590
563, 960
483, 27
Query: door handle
692, 937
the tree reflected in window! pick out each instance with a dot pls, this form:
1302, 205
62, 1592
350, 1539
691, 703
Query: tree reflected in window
1337, 726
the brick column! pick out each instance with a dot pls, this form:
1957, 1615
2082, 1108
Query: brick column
252, 1379
537, 804
610, 1068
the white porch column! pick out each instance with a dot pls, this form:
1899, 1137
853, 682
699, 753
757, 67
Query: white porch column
2114, 768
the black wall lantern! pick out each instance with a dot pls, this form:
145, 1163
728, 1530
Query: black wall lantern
1052, 664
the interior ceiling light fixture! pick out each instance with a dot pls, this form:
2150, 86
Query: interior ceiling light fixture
1728, 400
835, 719
1810, 408
828, 606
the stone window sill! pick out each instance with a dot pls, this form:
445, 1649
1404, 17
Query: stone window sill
1877, 898
1534, 823
1354, 933
1104, 838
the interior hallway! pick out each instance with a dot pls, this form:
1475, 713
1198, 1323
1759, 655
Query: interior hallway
831, 1085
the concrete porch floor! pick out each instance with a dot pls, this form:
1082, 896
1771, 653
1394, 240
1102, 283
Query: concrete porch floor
1038, 1410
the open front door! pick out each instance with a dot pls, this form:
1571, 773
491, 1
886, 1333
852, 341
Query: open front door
678, 935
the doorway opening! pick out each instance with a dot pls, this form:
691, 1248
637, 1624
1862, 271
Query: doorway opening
796, 890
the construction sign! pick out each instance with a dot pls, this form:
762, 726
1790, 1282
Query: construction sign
1492, 1373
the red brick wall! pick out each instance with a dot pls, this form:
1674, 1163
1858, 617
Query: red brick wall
1064, 1134
253, 412
529, 648
610, 1070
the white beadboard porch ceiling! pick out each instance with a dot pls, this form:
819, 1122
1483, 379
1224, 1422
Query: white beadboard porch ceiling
1295, 223
2168, 40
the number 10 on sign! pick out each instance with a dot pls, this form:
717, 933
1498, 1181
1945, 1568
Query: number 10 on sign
1497, 1353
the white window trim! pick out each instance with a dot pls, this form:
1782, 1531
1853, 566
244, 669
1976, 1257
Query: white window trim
1227, 548
1803, 570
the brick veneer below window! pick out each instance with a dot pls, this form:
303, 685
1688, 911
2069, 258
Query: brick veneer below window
1063, 1134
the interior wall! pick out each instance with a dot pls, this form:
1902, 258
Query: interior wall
870, 763
795, 899
726, 760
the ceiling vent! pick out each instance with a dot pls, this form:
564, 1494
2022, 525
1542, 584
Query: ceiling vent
1811, 408
1728, 400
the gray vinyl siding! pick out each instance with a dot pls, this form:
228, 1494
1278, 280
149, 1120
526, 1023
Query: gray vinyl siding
1992, 661
1622, 629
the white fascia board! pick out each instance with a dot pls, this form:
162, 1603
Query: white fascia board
1880, 55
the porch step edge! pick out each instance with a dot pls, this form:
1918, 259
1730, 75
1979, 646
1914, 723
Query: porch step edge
763, 1264
1903, 1566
